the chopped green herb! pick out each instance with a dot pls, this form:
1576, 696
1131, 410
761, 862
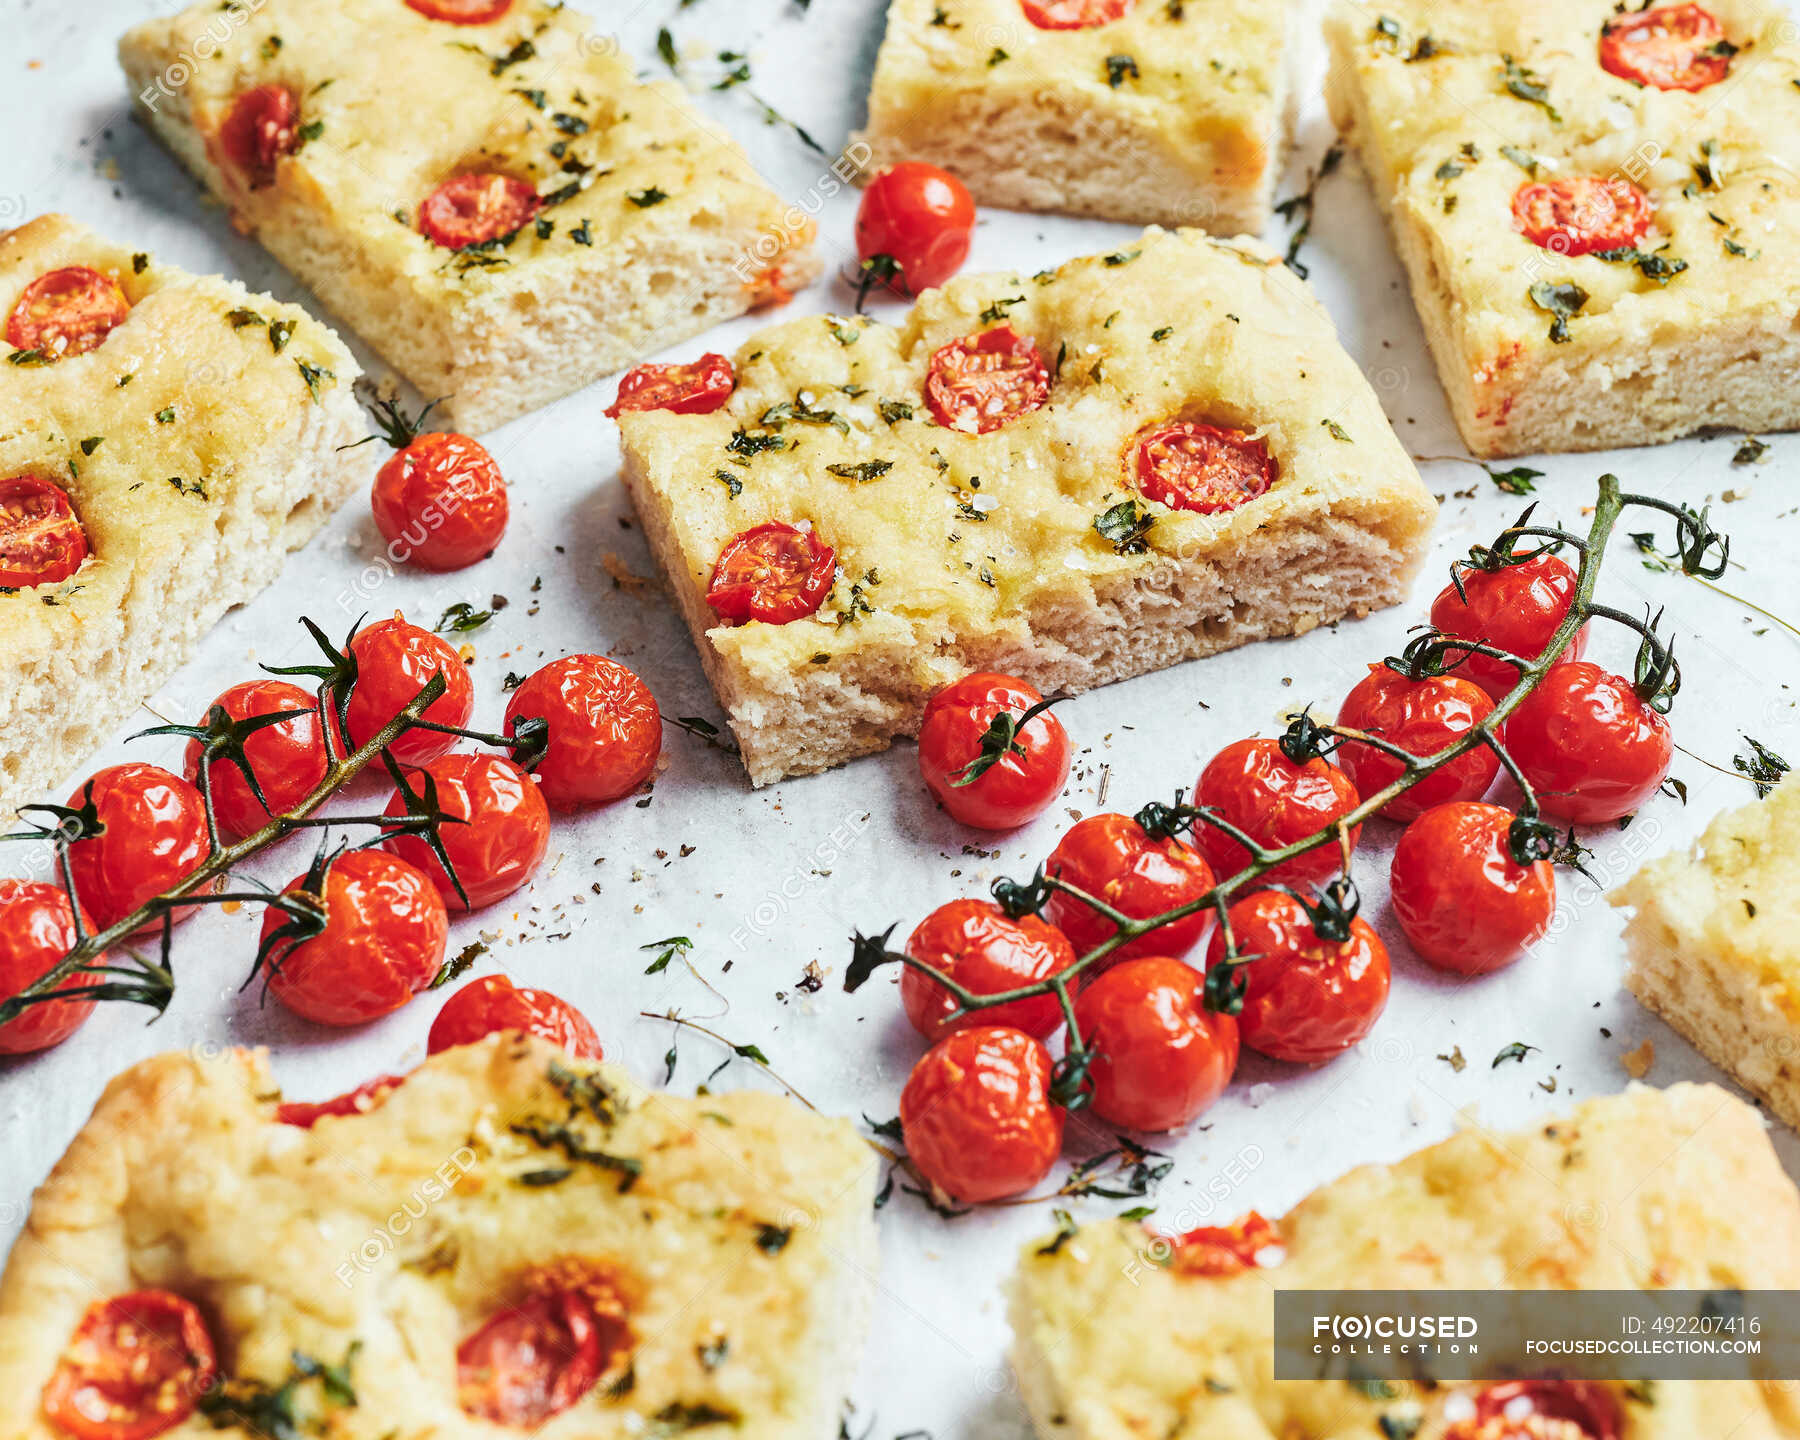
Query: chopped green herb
1124, 527
1119, 69
1563, 301
460, 617
644, 199
866, 470
1525, 85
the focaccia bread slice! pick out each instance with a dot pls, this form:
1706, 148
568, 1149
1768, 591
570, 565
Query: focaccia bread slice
649, 224
197, 444
1714, 944
727, 1242
1454, 105
1116, 1337
1172, 114
1028, 548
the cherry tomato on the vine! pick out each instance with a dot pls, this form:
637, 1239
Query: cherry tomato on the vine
503, 841
983, 381
696, 389
288, 758
1114, 859
531, 1361
605, 728
1516, 608
977, 1115
1591, 748
1579, 214
37, 928
493, 1003
360, 1101
263, 126
66, 312
1074, 14
994, 778
981, 947
1519, 1410
1253, 785
1464, 902
1204, 468
1421, 716
773, 573
1219, 1251
921, 219
440, 502
394, 660
155, 835
1160, 1056
475, 208
383, 942
136, 1366
41, 540
461, 12
1673, 47
1306, 999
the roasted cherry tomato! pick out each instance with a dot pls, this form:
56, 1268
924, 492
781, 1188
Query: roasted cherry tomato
41, 541
383, 942
494, 1003
977, 1115
360, 1101
1218, 1251
994, 776
1464, 902
502, 844
393, 662
696, 389
920, 218
1306, 999
1589, 745
1114, 859
983, 381
981, 947
66, 312
1205, 468
605, 729
136, 1366
263, 126
1589, 1407
440, 502
155, 835
288, 758
1674, 47
1516, 609
1253, 785
37, 928
1074, 14
773, 573
1424, 717
530, 1362
461, 12
1160, 1056
476, 208
1579, 214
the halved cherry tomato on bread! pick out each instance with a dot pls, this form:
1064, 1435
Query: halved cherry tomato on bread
394, 660
1074, 14
1208, 469
983, 381
461, 12
1461, 899
383, 942
360, 1101
983, 949
440, 501
977, 1115
502, 837
1516, 608
37, 928
1674, 47
1253, 785
155, 834
921, 219
1118, 862
263, 126
773, 573
605, 728
696, 389
288, 758
982, 765
531, 1361
1591, 1408
1217, 1251
1589, 744
66, 312
1160, 1056
1579, 214
1422, 716
136, 1366
475, 208
493, 1003
41, 541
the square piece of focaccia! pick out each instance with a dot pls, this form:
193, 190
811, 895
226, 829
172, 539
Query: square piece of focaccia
1119, 1335
481, 188
1072, 477
1170, 112
1596, 204
165, 440
1714, 945
680, 1267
